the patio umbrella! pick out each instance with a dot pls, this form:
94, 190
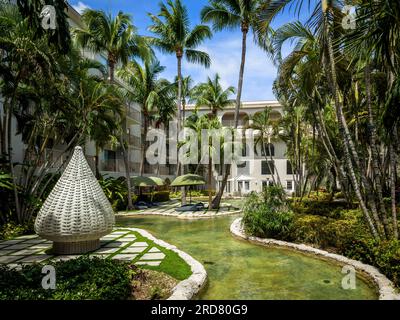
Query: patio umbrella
188, 180
142, 181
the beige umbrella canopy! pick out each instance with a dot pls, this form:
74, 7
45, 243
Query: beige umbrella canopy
77, 213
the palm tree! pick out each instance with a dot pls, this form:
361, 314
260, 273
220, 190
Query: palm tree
174, 36
233, 14
114, 36
59, 37
153, 94
267, 129
212, 95
210, 125
117, 38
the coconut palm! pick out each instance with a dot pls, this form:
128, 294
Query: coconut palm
212, 95
60, 36
153, 94
233, 14
175, 36
117, 38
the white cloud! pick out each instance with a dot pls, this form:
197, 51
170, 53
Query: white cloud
80, 6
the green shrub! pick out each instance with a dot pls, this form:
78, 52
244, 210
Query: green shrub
157, 196
331, 209
79, 279
116, 192
266, 214
11, 230
384, 255
310, 229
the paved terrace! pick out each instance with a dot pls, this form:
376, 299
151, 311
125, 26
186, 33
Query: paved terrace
168, 209
124, 245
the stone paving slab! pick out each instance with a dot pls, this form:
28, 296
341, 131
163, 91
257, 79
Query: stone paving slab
8, 259
140, 244
121, 245
125, 257
134, 250
36, 241
105, 251
14, 241
149, 263
35, 258
30, 236
25, 252
40, 246
153, 256
18, 246
115, 244
65, 258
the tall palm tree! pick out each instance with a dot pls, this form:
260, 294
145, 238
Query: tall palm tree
212, 95
117, 38
267, 129
60, 36
233, 14
153, 94
174, 35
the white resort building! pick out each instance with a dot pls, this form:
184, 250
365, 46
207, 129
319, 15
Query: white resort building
253, 173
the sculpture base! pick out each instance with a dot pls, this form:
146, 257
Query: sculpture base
75, 247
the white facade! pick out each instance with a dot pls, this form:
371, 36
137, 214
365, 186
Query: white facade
253, 173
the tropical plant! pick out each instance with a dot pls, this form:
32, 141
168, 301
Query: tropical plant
233, 14
117, 38
175, 36
212, 95
154, 95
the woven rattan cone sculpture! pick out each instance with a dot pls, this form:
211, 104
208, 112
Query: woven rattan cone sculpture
77, 213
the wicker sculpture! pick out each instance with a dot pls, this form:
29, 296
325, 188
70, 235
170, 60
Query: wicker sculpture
77, 213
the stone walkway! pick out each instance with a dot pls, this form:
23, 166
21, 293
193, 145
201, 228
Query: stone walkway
169, 209
121, 244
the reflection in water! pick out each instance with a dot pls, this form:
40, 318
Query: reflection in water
240, 270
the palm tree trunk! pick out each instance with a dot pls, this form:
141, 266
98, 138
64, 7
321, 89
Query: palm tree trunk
341, 125
111, 65
209, 181
143, 145
179, 168
96, 160
241, 75
374, 154
393, 190
218, 197
127, 174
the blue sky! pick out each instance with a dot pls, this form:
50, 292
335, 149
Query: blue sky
224, 48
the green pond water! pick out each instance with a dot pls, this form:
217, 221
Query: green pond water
240, 270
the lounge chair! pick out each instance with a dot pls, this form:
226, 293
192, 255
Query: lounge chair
191, 207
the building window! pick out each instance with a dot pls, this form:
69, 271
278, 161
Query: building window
244, 149
267, 167
289, 185
268, 150
289, 168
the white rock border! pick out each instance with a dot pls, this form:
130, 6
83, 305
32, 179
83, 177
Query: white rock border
386, 288
190, 287
184, 216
